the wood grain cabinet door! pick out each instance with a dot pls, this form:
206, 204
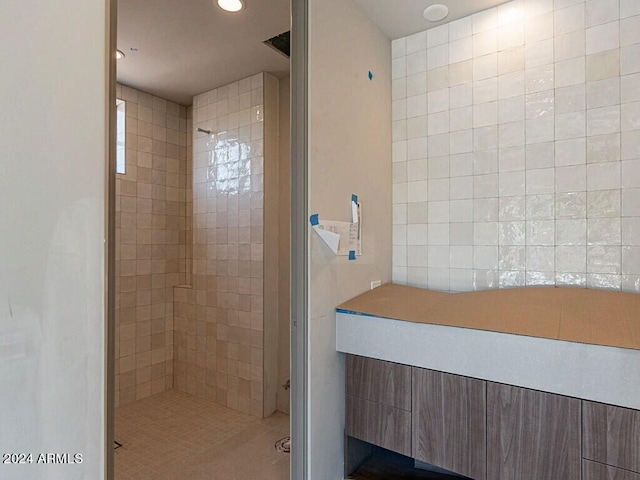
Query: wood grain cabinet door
532, 435
611, 435
379, 381
449, 420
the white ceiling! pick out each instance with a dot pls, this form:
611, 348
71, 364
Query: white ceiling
399, 18
186, 47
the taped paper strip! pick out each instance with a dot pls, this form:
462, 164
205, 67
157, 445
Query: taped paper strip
343, 238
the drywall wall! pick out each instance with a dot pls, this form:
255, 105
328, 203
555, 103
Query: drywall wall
284, 243
349, 152
53, 139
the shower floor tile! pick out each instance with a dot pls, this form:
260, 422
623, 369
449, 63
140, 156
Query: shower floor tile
174, 435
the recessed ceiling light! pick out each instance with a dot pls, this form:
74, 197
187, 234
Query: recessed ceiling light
119, 54
436, 12
231, 5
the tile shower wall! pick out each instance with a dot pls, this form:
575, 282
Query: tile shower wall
219, 318
151, 230
516, 154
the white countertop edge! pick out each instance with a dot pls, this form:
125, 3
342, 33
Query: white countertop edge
591, 372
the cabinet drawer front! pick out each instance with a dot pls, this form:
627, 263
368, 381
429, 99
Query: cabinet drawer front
382, 425
532, 435
449, 422
379, 381
598, 471
611, 435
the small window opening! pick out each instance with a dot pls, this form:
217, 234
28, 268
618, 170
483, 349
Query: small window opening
120, 137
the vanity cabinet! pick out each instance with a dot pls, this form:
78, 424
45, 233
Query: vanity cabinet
486, 430
532, 435
449, 422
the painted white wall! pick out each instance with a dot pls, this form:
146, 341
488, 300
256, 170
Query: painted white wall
349, 152
52, 224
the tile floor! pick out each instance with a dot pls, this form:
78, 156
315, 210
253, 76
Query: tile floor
174, 435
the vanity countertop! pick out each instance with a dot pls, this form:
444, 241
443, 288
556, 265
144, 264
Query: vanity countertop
597, 317
577, 342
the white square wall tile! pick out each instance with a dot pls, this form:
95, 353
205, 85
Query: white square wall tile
629, 8
630, 145
512, 257
631, 202
512, 233
630, 59
569, 45
571, 259
461, 210
416, 42
540, 181
571, 232
398, 68
538, 27
540, 259
603, 93
485, 66
438, 234
438, 35
603, 176
570, 72
630, 31
604, 203
604, 231
540, 104
461, 257
485, 233
571, 179
603, 37
512, 183
461, 96
540, 207
603, 148
485, 257
602, 11
461, 28
538, 53
539, 79
630, 116
603, 120
630, 88
631, 173
512, 208
415, 84
570, 125
461, 50
631, 231
570, 99
416, 63
570, 19
398, 48
631, 260
571, 152
511, 109
437, 56
604, 259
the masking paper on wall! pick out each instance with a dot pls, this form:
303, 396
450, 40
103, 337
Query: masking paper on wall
343, 238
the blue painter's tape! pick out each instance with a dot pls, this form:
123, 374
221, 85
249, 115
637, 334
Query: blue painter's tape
354, 197
352, 254
370, 75
314, 219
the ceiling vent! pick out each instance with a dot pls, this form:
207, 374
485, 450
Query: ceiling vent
281, 43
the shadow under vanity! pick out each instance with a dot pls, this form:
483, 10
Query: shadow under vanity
533, 384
